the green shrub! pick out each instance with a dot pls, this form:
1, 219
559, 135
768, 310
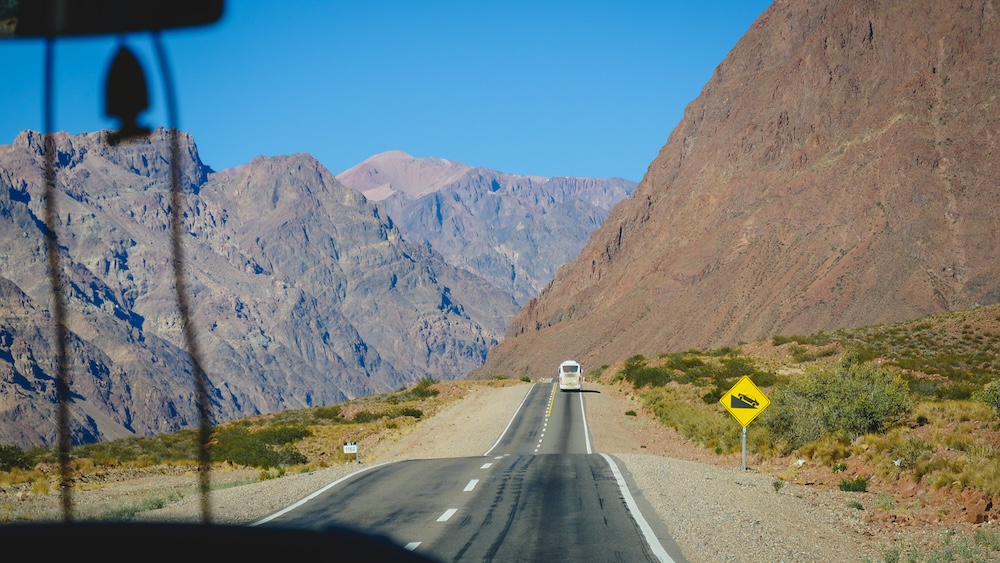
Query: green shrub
845, 403
330, 412
630, 413
639, 374
366, 416
525, 379
990, 395
266, 448
13, 457
858, 485
424, 388
408, 411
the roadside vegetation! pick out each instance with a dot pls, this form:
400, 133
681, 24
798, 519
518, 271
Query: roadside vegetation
293, 441
914, 403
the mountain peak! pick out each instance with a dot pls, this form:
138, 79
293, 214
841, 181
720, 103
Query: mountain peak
390, 172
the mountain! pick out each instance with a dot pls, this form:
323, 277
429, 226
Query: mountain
512, 230
839, 169
303, 292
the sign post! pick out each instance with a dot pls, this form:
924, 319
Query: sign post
352, 448
745, 401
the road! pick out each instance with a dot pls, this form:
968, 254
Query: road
539, 494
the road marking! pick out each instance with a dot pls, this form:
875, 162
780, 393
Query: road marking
312, 496
511, 420
412, 545
586, 431
447, 514
471, 485
486, 465
647, 532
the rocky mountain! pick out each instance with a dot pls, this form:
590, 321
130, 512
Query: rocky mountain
512, 230
303, 292
839, 169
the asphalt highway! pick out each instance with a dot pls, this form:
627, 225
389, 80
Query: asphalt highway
539, 494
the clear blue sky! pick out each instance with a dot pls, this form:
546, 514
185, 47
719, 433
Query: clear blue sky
567, 88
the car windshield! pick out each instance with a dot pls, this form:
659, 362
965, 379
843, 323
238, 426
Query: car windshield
267, 271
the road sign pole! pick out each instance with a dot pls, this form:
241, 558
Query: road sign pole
744, 448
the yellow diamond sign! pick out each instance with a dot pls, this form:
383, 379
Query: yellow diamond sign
744, 401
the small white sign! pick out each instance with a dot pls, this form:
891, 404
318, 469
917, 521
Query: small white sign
350, 447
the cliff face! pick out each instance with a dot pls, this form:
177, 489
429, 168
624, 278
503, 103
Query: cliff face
839, 169
303, 293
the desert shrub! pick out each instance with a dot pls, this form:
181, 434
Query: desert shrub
698, 423
828, 449
366, 416
990, 395
857, 485
525, 379
425, 388
819, 339
266, 448
639, 374
630, 413
14, 457
181, 445
329, 412
909, 452
408, 411
846, 402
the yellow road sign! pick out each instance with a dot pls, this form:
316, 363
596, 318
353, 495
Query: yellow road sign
745, 401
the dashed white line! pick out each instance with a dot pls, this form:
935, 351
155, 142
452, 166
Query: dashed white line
487, 465
471, 485
447, 514
412, 545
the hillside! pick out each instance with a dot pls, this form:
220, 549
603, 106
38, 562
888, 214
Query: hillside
512, 230
837, 170
303, 292
930, 483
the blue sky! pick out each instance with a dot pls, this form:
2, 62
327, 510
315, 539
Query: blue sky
567, 88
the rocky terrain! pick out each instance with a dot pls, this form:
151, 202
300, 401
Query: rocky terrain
839, 169
512, 230
713, 509
303, 292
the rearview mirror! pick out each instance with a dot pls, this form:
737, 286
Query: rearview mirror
60, 18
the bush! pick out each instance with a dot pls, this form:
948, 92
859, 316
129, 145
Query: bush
408, 411
266, 448
640, 375
12, 457
366, 416
330, 412
990, 395
424, 388
858, 485
525, 379
844, 403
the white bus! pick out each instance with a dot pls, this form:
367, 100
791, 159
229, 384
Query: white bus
570, 376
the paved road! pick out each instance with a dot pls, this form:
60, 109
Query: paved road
539, 494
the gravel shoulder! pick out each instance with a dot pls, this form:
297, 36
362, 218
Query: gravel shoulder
713, 509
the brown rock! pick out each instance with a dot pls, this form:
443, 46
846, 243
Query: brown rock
839, 169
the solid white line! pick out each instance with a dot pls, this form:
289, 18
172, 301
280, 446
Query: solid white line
471, 485
486, 465
412, 545
647, 532
447, 514
586, 431
511, 420
267, 519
